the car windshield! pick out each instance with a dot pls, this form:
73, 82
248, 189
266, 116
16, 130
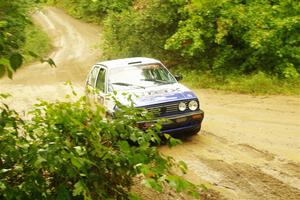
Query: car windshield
141, 76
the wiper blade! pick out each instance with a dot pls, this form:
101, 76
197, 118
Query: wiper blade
154, 80
127, 84
120, 83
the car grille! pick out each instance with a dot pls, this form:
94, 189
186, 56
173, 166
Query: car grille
166, 109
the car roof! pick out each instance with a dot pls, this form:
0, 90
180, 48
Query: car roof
127, 62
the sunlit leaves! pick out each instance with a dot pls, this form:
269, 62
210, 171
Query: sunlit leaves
140, 30
151, 183
93, 9
66, 150
79, 188
183, 166
240, 37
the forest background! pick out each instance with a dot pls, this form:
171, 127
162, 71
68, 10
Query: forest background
248, 46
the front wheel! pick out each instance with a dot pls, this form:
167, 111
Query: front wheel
193, 132
188, 133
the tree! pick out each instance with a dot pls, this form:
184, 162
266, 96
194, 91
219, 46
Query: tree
12, 24
241, 36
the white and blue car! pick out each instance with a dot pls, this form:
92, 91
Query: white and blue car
155, 88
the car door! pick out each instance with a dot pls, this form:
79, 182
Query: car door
91, 81
101, 85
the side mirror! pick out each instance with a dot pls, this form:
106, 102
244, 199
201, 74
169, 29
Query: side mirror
178, 77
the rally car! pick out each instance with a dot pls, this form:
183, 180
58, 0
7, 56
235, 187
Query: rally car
154, 87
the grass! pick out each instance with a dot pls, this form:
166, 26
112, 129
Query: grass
37, 41
257, 84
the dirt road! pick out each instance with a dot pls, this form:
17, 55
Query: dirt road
249, 147
74, 53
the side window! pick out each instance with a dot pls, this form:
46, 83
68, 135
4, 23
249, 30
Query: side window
93, 76
101, 80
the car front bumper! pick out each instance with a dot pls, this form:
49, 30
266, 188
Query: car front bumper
188, 123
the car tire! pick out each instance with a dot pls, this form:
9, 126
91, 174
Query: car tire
194, 132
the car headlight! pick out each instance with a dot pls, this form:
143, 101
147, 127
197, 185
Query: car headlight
193, 105
182, 106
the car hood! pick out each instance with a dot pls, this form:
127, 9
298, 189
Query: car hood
155, 95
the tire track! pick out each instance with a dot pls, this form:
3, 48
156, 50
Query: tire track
238, 171
252, 181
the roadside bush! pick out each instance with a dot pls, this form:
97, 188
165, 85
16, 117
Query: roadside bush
13, 21
66, 150
14, 31
35, 36
141, 30
256, 83
240, 36
91, 10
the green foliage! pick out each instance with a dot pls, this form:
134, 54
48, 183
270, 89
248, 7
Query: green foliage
16, 38
92, 10
140, 30
66, 150
226, 38
257, 83
12, 23
241, 36
35, 36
